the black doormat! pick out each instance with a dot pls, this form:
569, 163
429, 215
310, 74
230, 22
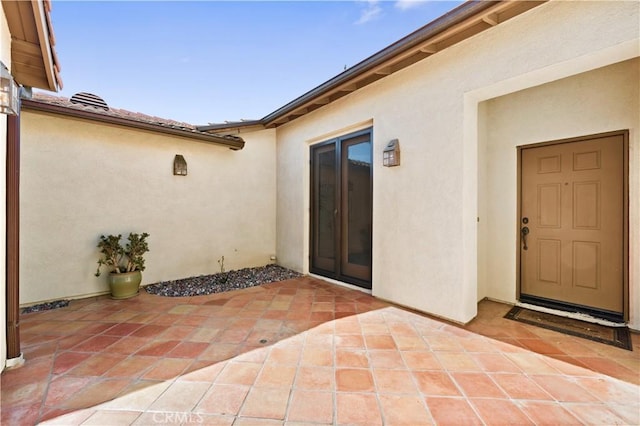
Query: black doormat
614, 336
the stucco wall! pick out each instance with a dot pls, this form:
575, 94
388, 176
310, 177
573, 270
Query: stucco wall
81, 179
598, 101
5, 57
425, 230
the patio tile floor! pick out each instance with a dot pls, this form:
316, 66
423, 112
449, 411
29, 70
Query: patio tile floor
304, 351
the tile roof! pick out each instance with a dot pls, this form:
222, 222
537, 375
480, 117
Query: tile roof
126, 117
114, 112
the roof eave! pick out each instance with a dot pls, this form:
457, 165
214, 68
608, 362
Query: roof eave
234, 144
230, 126
27, 51
417, 43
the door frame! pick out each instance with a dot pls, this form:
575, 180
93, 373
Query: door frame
338, 275
625, 218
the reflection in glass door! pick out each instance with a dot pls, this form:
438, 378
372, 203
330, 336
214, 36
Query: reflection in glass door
324, 242
341, 188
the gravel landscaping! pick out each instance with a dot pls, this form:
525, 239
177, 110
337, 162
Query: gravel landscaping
201, 285
45, 306
225, 281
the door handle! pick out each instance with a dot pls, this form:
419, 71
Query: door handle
524, 231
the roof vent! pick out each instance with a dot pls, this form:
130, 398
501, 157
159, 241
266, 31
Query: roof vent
90, 100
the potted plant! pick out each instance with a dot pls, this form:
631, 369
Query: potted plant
126, 263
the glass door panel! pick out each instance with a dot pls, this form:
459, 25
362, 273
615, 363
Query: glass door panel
324, 208
356, 209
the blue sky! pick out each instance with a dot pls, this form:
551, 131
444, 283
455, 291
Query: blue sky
211, 61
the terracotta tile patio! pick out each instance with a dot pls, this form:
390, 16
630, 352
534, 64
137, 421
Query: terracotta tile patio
304, 351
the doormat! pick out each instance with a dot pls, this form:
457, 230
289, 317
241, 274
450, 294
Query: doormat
614, 336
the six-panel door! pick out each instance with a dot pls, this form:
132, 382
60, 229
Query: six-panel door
572, 200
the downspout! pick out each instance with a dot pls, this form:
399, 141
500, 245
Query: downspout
14, 356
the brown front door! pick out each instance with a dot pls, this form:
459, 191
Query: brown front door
341, 208
572, 224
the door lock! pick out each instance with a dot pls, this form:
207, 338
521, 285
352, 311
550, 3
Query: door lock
524, 231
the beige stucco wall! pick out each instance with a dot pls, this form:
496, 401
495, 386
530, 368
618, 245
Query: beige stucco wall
606, 99
425, 229
5, 57
81, 179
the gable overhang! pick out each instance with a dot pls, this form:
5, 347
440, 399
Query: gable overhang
461, 23
34, 62
234, 143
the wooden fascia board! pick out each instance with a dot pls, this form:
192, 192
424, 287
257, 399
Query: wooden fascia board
42, 27
107, 119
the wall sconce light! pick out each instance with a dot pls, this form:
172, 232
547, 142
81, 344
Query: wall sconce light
8, 92
179, 166
391, 154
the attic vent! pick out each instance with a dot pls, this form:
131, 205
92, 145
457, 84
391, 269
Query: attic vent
89, 99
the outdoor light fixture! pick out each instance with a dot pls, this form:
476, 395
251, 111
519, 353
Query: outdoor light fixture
8, 92
179, 166
391, 154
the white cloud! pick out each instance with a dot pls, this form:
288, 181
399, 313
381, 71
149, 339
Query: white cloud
408, 4
370, 12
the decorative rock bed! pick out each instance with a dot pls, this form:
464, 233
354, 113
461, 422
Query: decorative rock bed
201, 285
224, 281
45, 306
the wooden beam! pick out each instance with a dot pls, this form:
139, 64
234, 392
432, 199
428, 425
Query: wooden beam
491, 19
430, 48
297, 113
383, 71
348, 88
282, 120
461, 27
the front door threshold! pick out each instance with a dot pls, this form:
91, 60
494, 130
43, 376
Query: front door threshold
573, 315
341, 283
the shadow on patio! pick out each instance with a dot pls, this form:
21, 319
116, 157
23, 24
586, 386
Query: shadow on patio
307, 351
